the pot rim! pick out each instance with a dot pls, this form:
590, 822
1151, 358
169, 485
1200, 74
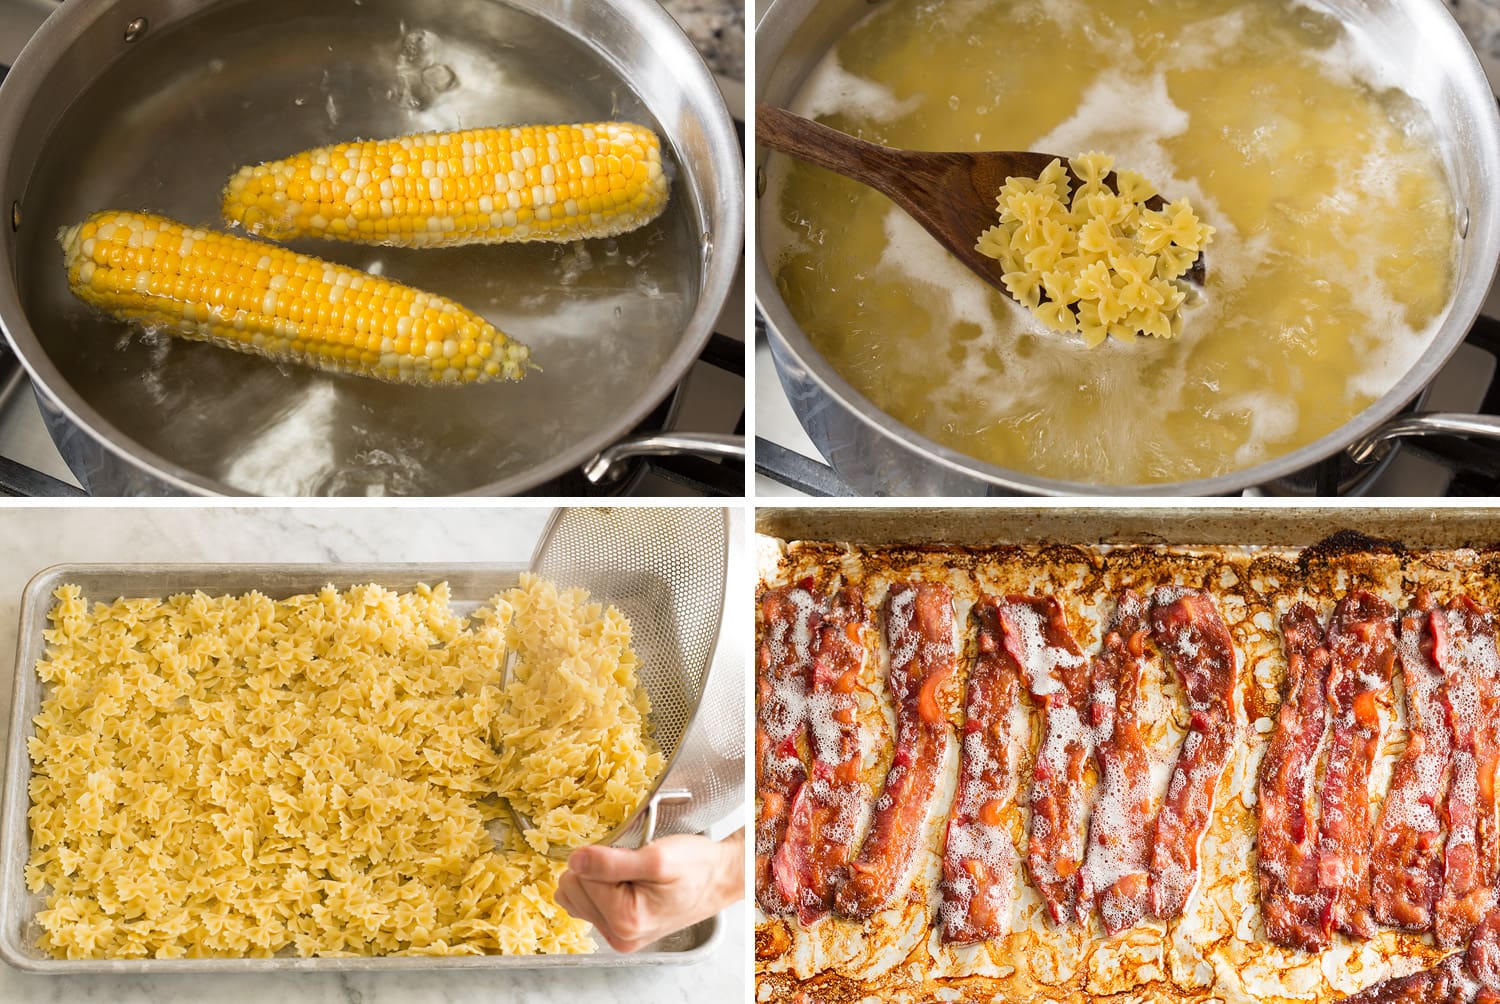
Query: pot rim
720, 216
790, 342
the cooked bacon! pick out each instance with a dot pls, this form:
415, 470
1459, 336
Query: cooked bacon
1487, 759
978, 855
1482, 959
1056, 673
1406, 858
919, 633
820, 834
1187, 628
1361, 641
1464, 647
1468, 977
1115, 872
1444, 983
1295, 909
789, 619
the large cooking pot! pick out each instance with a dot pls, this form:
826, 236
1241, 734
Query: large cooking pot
875, 454
151, 104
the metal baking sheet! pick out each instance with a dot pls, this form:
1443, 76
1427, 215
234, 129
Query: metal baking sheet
471, 586
1254, 561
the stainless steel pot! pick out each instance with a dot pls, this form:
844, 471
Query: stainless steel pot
877, 455
152, 103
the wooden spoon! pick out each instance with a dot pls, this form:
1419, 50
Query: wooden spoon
951, 194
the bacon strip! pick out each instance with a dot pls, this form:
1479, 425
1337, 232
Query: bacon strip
1487, 760
1464, 646
820, 834
1482, 960
1187, 628
1362, 643
1406, 863
1469, 977
1115, 872
1296, 910
1445, 983
919, 632
978, 855
1056, 673
789, 619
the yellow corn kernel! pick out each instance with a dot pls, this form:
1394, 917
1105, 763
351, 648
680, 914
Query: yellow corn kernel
255, 297
480, 186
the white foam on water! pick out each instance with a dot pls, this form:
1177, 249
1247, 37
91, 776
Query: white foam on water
832, 90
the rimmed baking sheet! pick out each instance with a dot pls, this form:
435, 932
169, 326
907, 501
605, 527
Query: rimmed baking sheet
471, 585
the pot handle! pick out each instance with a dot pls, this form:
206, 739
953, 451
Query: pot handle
1424, 424
602, 467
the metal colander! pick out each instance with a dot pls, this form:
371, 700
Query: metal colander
667, 570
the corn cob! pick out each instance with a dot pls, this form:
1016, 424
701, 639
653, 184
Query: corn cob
255, 297
482, 186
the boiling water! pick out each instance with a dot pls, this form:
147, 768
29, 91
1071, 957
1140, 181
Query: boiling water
1334, 256
165, 129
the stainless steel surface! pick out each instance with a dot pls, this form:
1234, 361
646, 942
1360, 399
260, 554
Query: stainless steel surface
1421, 46
472, 586
602, 466
1423, 424
668, 570
87, 119
18, 19
1243, 525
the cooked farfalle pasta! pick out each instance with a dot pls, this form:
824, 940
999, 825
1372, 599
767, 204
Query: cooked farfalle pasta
575, 760
228, 776
1095, 259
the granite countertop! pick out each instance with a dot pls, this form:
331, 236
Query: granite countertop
717, 28
34, 538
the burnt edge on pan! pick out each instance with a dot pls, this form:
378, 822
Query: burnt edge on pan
1339, 562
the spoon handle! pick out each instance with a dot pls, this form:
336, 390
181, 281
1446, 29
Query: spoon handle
817, 144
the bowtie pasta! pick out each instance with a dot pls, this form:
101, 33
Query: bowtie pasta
1095, 259
226, 776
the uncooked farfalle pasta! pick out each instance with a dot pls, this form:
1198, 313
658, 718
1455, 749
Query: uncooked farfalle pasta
219, 776
1095, 259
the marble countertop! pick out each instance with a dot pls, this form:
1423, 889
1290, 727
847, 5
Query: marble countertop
34, 538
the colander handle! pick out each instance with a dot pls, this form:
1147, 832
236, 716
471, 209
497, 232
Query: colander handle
671, 796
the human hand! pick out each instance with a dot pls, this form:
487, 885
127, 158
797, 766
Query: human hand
636, 897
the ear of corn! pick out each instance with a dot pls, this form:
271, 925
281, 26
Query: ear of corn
254, 297
530, 183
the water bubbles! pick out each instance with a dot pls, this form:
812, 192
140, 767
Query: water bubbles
413, 49
575, 264
440, 77
421, 75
